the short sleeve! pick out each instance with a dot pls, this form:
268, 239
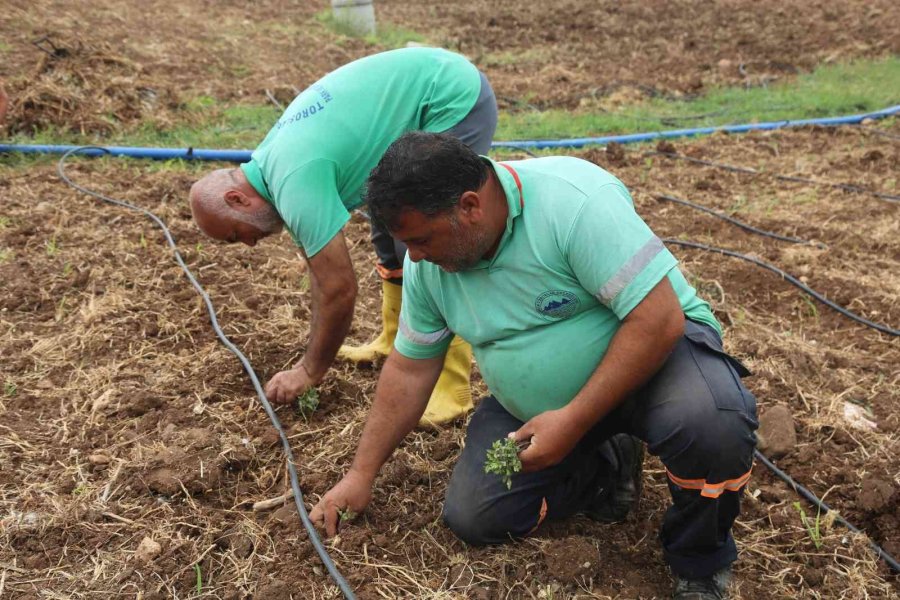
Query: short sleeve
423, 332
309, 204
613, 253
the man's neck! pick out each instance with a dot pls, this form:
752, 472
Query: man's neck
498, 211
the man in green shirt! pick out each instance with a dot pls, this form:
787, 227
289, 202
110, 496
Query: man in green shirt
583, 328
307, 175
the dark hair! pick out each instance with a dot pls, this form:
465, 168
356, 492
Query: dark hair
427, 172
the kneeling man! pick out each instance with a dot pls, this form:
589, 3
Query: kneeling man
583, 327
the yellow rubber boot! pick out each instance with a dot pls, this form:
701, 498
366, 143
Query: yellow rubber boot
452, 396
384, 343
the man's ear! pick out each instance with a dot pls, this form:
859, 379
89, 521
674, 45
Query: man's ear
470, 206
236, 199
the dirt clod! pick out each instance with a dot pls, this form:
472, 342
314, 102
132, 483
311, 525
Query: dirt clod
147, 550
777, 434
875, 494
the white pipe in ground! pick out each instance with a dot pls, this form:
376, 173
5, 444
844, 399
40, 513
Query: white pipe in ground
356, 15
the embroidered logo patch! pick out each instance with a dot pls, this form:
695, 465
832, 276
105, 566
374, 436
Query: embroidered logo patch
556, 304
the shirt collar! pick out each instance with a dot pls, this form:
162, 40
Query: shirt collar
512, 188
254, 175
511, 183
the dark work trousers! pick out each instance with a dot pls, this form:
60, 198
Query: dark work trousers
476, 131
694, 414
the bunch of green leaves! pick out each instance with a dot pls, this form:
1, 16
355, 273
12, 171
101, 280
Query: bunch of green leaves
346, 514
503, 459
308, 402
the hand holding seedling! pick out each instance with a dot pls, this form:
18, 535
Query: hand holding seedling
285, 386
502, 459
308, 403
553, 435
341, 503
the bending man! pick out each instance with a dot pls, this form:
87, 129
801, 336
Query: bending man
307, 176
583, 328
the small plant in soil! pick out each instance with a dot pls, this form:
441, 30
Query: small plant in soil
199, 585
308, 402
346, 514
812, 526
503, 459
52, 246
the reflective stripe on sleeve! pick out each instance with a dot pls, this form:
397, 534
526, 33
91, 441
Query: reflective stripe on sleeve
711, 490
630, 270
426, 339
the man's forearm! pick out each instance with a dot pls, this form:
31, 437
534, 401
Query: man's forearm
404, 388
332, 315
637, 351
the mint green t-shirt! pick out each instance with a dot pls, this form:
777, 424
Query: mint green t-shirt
312, 164
574, 260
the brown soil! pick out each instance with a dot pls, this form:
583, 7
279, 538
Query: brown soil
124, 418
150, 56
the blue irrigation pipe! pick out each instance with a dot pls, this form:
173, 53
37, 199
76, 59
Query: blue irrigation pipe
240, 156
678, 133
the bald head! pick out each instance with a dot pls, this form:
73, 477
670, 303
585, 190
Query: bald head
227, 208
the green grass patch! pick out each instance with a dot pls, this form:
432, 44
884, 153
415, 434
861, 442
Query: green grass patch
828, 91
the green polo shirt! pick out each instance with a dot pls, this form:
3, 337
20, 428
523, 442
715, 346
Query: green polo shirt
574, 260
312, 164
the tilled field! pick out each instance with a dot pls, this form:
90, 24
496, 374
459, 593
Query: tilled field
132, 446
124, 420
95, 67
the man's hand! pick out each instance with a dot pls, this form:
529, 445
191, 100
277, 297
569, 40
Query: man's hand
552, 435
353, 492
285, 386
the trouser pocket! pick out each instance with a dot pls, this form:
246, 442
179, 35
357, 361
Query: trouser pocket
721, 371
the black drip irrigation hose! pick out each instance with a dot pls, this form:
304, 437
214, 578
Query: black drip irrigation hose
790, 279
289, 456
846, 187
741, 224
824, 508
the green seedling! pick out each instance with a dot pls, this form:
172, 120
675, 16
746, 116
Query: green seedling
52, 246
812, 526
346, 514
308, 402
199, 578
60, 309
503, 459
9, 388
648, 165
811, 307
